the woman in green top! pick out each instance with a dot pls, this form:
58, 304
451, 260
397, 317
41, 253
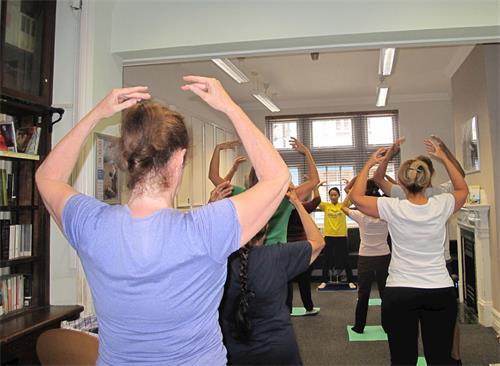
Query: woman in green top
278, 224
335, 252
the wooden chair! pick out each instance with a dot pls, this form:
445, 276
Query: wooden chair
67, 347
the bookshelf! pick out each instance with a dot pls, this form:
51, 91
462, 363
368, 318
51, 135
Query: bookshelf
27, 47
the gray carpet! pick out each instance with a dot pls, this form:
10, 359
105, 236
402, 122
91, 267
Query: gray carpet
323, 338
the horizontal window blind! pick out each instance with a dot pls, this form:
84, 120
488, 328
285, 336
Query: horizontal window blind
339, 142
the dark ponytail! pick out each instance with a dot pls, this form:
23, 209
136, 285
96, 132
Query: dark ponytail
243, 327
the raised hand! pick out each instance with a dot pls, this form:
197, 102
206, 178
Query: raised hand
434, 149
210, 90
298, 146
222, 190
239, 160
120, 99
229, 144
377, 157
292, 195
395, 148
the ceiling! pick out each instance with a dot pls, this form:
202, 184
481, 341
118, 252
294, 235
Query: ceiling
423, 71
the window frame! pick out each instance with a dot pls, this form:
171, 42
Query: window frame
354, 155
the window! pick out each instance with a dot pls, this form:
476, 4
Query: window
379, 130
340, 145
281, 133
294, 172
331, 133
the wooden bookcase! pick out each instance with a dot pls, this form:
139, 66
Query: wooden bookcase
27, 51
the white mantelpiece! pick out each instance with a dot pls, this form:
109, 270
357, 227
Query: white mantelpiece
475, 218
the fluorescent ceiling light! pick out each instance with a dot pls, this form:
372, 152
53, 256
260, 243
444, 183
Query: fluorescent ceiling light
386, 61
382, 96
264, 99
229, 68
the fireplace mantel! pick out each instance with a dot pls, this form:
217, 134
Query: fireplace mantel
475, 219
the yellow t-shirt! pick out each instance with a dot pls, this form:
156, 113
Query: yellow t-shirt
335, 220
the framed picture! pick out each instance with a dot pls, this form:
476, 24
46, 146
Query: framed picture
108, 186
470, 146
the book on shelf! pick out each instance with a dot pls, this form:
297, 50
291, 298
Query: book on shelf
8, 188
7, 133
28, 139
16, 241
15, 292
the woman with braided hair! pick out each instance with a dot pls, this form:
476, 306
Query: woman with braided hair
419, 290
255, 319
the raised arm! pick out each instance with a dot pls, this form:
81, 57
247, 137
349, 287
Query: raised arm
221, 191
379, 174
305, 188
313, 234
213, 171
256, 205
236, 164
461, 190
449, 155
347, 200
53, 174
364, 203
349, 185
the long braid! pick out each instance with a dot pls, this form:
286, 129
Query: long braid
242, 322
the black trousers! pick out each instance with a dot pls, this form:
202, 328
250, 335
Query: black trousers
369, 269
404, 308
336, 254
304, 282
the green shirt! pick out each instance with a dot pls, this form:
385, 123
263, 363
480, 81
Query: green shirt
278, 223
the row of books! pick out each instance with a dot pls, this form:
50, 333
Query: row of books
15, 292
23, 140
16, 241
8, 188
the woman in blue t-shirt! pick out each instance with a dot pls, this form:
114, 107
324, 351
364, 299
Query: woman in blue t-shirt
157, 274
419, 292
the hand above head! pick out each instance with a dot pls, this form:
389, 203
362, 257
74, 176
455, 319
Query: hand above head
211, 91
227, 145
120, 99
291, 194
239, 160
298, 146
434, 149
377, 156
222, 190
395, 148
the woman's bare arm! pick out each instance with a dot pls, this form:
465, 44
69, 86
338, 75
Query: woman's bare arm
256, 205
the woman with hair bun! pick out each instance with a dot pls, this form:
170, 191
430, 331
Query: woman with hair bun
157, 274
419, 290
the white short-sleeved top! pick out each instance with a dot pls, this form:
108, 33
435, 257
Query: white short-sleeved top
373, 234
418, 235
447, 187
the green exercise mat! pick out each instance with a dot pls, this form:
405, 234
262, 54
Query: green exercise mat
302, 312
371, 333
421, 361
374, 302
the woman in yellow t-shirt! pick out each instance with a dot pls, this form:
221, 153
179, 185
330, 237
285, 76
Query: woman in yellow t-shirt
336, 253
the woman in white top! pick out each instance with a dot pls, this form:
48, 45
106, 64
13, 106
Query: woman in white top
419, 289
374, 256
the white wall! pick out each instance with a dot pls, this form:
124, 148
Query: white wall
151, 28
63, 259
475, 93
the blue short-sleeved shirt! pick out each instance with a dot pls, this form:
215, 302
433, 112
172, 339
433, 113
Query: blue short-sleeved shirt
156, 281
